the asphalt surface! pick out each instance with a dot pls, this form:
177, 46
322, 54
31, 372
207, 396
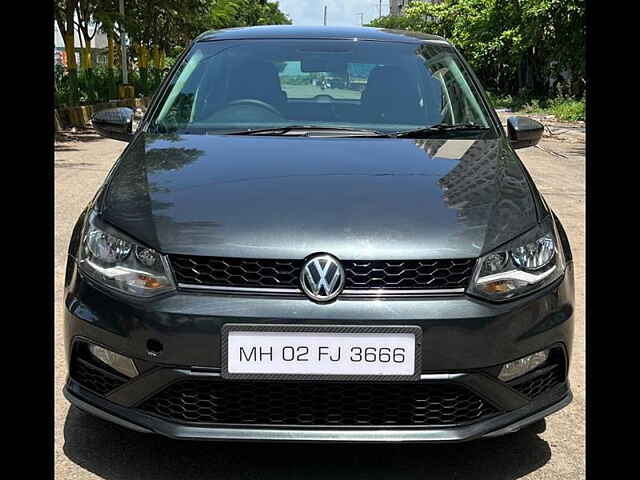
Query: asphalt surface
89, 448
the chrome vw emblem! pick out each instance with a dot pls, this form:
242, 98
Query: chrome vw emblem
322, 278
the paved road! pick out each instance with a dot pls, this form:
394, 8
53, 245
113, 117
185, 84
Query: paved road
86, 447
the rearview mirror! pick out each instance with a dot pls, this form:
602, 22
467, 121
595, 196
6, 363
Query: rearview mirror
524, 132
323, 63
116, 123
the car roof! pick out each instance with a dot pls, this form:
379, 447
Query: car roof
317, 32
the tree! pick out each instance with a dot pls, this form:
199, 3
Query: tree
85, 14
511, 44
154, 27
64, 11
393, 22
556, 30
243, 13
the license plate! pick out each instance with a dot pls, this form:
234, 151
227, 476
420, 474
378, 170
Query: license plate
321, 352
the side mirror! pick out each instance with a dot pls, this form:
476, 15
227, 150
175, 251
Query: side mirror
116, 123
524, 132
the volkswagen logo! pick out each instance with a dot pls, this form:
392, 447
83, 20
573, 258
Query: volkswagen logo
322, 277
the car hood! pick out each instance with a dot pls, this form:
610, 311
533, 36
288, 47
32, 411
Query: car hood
288, 197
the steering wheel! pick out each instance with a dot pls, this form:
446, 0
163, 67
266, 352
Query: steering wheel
255, 103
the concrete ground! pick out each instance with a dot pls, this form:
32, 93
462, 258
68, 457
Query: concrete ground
88, 448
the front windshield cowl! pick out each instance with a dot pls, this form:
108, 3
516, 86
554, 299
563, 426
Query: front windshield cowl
362, 88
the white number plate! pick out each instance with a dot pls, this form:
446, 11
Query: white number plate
318, 352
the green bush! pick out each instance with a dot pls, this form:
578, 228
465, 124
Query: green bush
497, 101
563, 108
101, 85
532, 106
146, 83
567, 109
61, 86
525, 101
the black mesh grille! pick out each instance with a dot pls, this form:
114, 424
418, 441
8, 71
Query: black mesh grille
318, 403
410, 274
541, 383
422, 274
236, 272
94, 378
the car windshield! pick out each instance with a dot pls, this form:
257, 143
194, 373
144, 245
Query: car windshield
247, 85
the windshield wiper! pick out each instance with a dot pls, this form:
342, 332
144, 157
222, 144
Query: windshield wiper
305, 130
439, 128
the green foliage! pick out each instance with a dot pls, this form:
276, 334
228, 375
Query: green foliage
100, 84
172, 23
563, 108
107, 15
243, 13
170, 61
165, 23
511, 44
393, 22
145, 81
497, 101
168, 24
523, 102
97, 85
568, 109
61, 86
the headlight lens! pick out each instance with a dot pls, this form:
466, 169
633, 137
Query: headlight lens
528, 263
121, 264
107, 248
535, 255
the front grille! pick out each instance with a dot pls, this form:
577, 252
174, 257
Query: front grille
94, 378
319, 403
540, 383
236, 272
360, 275
414, 274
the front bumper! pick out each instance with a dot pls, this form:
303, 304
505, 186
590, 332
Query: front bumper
465, 341
508, 422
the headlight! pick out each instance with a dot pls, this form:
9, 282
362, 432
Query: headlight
118, 262
525, 264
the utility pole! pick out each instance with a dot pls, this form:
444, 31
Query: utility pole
123, 47
361, 18
325, 15
379, 8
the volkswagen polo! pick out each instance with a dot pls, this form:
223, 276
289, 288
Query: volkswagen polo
319, 234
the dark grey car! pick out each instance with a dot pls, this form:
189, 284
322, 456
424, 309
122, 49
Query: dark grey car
278, 257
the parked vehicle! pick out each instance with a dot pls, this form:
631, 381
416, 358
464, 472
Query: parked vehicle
263, 263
